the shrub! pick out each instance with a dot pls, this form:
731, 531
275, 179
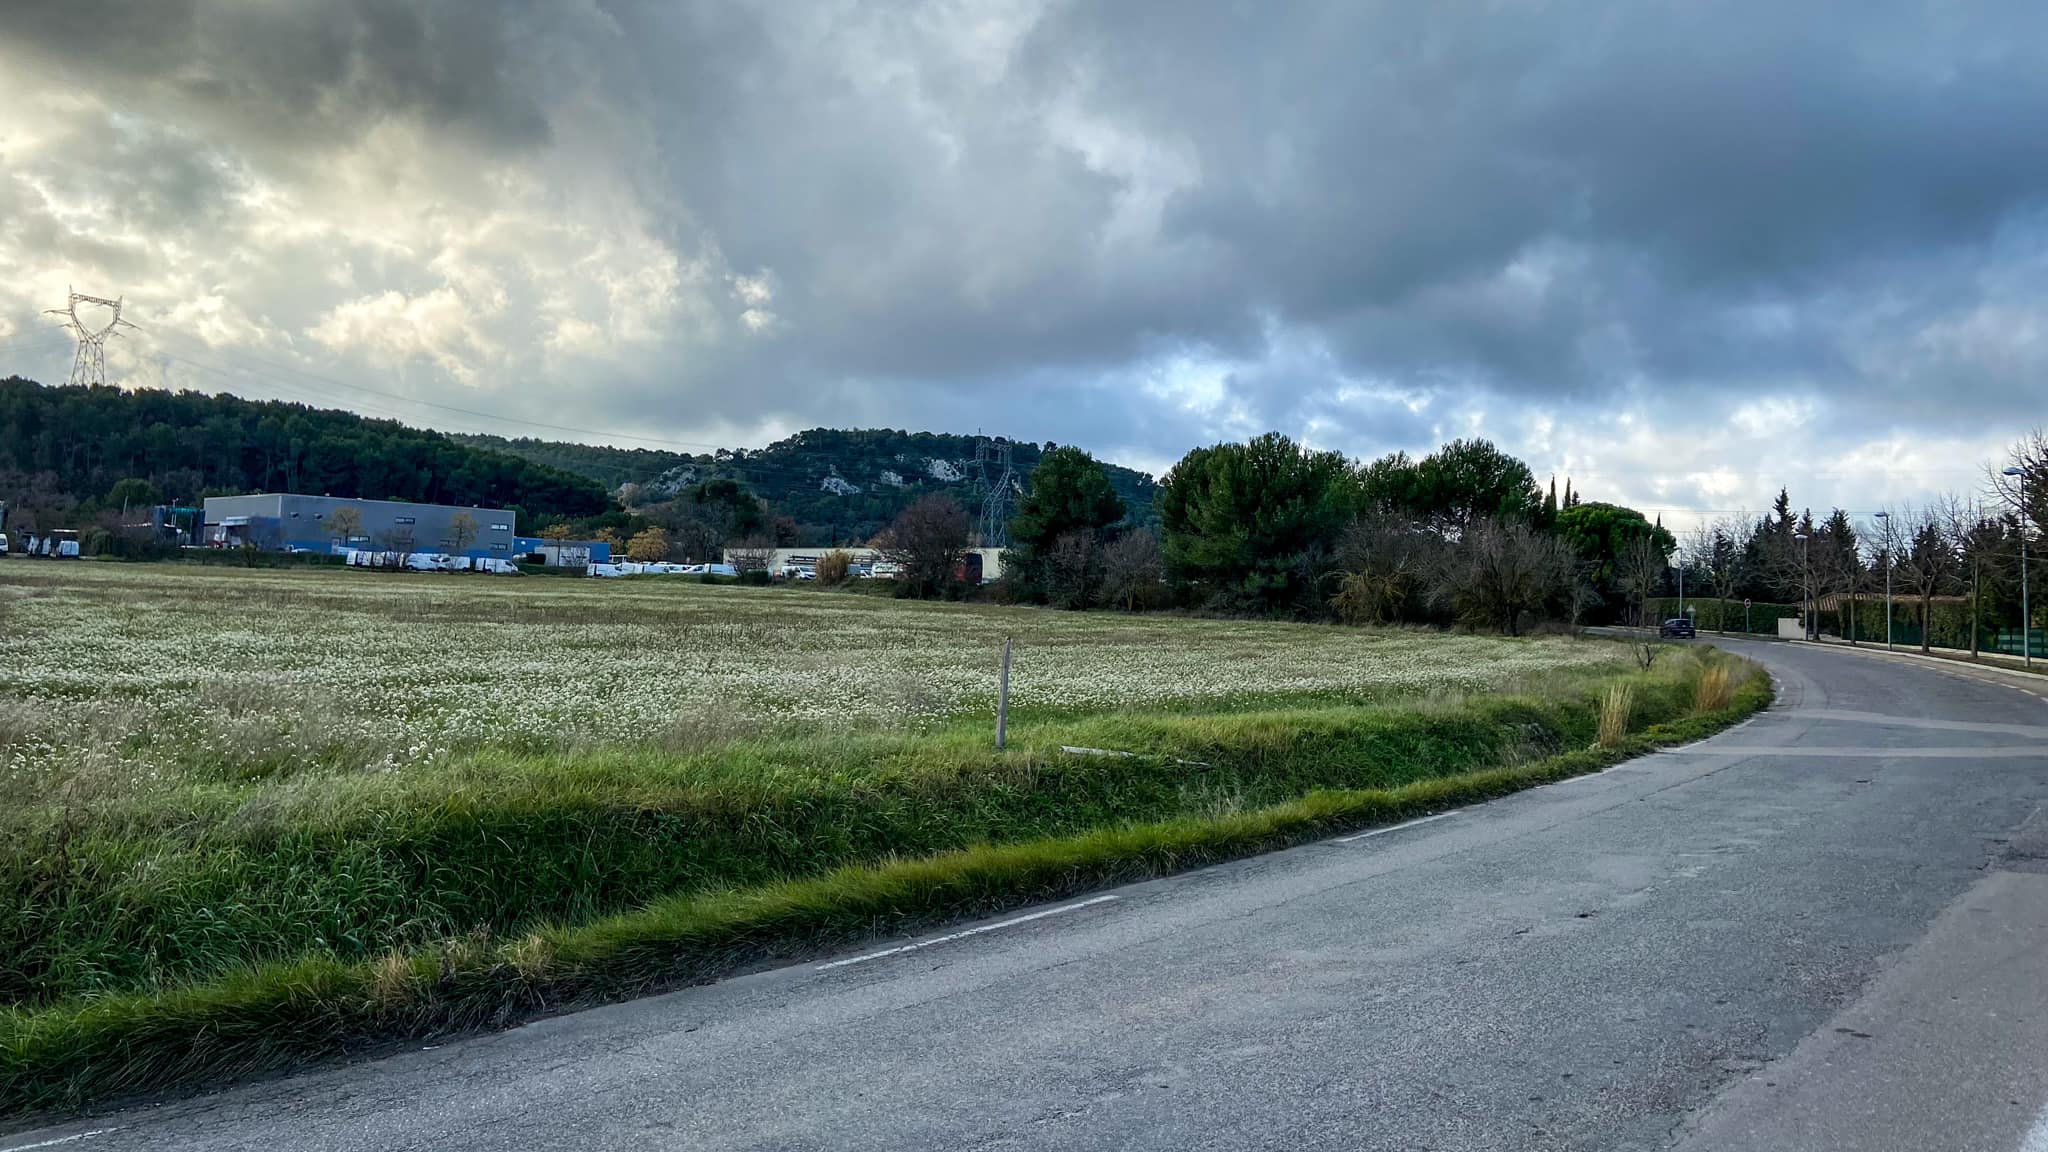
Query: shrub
832, 567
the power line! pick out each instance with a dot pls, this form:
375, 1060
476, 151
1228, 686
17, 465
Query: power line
89, 365
996, 480
457, 409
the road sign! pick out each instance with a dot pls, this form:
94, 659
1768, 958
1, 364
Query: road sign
1745, 601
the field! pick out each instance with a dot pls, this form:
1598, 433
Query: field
429, 802
132, 677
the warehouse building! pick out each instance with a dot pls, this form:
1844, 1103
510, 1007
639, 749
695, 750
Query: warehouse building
561, 553
282, 522
984, 564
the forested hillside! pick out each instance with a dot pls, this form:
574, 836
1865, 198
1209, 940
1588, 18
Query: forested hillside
62, 450
838, 485
611, 467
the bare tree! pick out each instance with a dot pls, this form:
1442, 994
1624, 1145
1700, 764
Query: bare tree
1501, 572
924, 542
1133, 571
345, 524
1929, 564
1696, 551
750, 553
1714, 550
1979, 541
1639, 569
399, 540
462, 532
1073, 569
698, 529
1385, 561
2031, 454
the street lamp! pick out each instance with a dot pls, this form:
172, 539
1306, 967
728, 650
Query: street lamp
1889, 560
1806, 627
2026, 617
1680, 553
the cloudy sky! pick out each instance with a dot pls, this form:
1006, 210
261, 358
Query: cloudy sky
1682, 252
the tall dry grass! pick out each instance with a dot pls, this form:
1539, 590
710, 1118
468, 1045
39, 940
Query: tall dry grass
1715, 689
1615, 705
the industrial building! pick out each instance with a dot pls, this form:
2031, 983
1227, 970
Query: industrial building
561, 553
987, 563
283, 522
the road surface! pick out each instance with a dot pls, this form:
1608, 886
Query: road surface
1824, 929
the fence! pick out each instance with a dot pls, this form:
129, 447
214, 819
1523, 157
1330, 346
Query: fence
1948, 624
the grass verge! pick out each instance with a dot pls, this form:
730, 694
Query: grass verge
272, 1016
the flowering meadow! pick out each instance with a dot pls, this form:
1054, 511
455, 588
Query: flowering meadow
120, 676
250, 818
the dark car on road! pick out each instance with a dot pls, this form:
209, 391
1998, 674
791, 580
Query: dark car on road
1677, 626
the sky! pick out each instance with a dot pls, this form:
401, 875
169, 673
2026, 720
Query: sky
1682, 253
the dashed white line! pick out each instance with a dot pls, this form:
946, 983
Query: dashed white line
950, 937
61, 1140
1398, 827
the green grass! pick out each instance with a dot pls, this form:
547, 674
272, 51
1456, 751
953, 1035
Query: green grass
345, 809
880, 852
196, 884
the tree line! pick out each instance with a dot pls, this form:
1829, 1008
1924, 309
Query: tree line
64, 450
1951, 567
1466, 536
1269, 527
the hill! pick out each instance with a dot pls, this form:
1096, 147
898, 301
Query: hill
839, 485
62, 450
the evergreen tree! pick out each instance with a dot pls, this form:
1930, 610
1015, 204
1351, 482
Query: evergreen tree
1070, 492
1254, 524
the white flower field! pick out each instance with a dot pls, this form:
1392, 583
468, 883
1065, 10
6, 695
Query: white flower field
128, 674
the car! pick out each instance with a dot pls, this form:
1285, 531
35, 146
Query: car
1677, 626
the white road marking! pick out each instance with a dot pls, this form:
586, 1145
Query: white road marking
2037, 1136
949, 938
61, 1140
1398, 827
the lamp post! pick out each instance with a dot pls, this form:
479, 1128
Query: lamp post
1680, 552
2026, 616
1889, 559
1806, 628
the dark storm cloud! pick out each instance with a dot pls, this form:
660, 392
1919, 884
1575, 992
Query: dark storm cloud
1149, 224
305, 71
1542, 200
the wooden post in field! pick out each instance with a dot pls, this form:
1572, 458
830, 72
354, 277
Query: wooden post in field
1003, 699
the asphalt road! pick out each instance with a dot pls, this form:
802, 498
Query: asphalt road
1826, 928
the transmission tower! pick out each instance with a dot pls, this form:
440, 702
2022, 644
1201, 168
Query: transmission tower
90, 365
992, 472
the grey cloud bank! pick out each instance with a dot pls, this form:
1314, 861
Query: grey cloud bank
1685, 252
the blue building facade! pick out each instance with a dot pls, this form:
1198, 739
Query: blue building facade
284, 522
592, 551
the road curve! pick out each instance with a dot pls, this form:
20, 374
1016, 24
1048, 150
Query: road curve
1826, 928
